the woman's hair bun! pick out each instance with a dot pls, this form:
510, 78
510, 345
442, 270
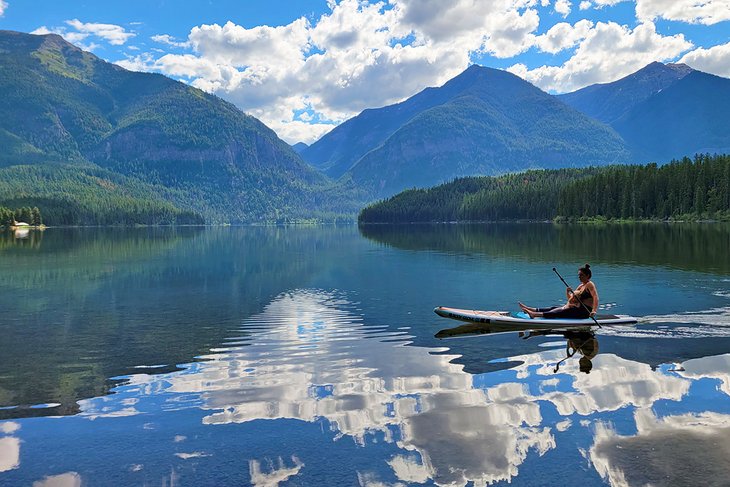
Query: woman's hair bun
587, 266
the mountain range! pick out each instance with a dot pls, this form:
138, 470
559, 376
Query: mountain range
484, 121
607, 102
490, 122
662, 111
119, 146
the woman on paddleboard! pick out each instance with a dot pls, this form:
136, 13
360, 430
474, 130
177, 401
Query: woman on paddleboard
580, 301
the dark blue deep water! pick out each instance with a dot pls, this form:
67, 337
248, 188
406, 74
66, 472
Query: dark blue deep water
307, 356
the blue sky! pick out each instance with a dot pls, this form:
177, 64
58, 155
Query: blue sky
304, 66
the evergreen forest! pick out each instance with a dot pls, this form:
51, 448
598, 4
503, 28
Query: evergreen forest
26, 214
686, 189
85, 195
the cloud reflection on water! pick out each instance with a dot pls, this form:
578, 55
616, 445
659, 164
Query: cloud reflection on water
418, 400
9, 446
717, 367
68, 479
688, 449
9, 453
279, 472
613, 384
308, 357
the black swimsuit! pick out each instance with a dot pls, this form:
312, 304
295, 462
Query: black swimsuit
585, 294
571, 312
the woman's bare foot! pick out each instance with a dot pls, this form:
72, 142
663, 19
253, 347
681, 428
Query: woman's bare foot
525, 308
533, 314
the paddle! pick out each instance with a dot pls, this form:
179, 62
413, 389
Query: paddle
576, 297
557, 366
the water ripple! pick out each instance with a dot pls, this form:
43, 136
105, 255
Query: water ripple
714, 322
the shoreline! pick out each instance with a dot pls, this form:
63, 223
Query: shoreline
583, 221
557, 221
210, 225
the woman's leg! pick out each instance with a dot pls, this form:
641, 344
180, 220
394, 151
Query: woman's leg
540, 312
567, 312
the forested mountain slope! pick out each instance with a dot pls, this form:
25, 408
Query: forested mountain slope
685, 188
63, 105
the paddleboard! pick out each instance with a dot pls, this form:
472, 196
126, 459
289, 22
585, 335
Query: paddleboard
523, 321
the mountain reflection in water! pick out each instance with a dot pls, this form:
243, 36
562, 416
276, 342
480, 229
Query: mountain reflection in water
682, 246
415, 415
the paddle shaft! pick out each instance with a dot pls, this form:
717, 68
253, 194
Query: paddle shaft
557, 366
576, 297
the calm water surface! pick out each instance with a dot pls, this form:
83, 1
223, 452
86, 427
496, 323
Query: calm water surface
307, 356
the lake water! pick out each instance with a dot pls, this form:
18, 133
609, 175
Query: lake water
307, 356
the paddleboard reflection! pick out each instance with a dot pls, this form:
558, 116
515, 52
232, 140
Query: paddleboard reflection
581, 341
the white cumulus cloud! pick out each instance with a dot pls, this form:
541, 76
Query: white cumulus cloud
114, 34
82, 33
706, 12
76, 38
141, 62
503, 28
3, 7
279, 48
511, 33
608, 3
169, 40
608, 52
355, 56
563, 36
715, 60
563, 7
362, 54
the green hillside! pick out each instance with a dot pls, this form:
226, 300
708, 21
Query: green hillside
61, 105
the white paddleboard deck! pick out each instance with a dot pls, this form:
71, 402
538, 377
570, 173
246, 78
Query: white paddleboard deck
522, 319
